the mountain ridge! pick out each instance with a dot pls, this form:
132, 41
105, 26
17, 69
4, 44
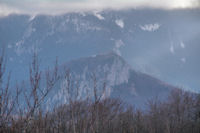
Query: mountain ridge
122, 81
158, 42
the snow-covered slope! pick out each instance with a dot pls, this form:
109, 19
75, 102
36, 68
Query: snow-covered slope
162, 43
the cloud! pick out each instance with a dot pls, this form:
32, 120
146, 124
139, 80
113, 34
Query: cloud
6, 10
195, 3
63, 6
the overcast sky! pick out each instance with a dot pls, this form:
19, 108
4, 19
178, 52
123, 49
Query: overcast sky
62, 6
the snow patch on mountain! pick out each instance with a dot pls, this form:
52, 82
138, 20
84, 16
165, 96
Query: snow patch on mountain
99, 16
120, 23
150, 27
80, 26
182, 45
31, 18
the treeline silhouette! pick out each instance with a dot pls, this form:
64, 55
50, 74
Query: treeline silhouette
180, 113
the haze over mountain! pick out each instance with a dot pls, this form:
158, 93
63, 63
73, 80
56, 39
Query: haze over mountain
111, 70
162, 43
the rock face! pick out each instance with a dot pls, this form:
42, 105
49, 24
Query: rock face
121, 81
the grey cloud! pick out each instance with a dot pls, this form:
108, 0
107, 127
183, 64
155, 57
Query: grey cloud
195, 3
61, 6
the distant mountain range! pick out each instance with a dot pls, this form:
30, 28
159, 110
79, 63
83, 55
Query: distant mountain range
122, 81
161, 43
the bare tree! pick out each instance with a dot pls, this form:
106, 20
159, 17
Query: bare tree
7, 99
35, 93
180, 113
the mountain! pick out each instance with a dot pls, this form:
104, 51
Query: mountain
162, 43
122, 81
